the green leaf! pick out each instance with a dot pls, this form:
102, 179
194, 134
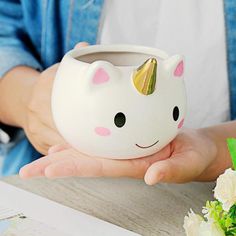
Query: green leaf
232, 212
232, 150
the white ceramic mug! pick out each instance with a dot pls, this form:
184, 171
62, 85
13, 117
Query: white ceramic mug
119, 101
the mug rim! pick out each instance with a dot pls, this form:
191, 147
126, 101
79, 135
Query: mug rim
113, 48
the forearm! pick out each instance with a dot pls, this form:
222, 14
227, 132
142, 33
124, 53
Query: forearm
219, 135
15, 89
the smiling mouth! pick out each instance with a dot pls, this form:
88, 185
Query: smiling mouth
147, 146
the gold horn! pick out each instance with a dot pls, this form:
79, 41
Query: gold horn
144, 77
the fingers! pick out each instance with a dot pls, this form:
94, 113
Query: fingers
70, 166
37, 167
43, 137
34, 169
69, 162
89, 167
52, 137
81, 44
177, 169
58, 148
64, 161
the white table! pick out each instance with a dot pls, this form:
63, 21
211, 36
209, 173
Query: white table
156, 210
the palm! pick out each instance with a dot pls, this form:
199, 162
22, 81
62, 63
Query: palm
182, 160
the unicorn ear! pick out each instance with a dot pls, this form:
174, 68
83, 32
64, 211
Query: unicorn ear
175, 66
101, 73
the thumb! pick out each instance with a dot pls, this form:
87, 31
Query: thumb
81, 44
180, 168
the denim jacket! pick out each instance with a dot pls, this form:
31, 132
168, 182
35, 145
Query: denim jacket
230, 21
37, 33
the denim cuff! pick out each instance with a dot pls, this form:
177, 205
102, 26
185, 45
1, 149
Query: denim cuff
11, 57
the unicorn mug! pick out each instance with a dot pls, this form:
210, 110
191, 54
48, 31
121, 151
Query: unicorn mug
119, 101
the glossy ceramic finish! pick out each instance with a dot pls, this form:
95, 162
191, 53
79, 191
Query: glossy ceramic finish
98, 107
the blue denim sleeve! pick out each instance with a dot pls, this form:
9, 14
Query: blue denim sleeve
14, 41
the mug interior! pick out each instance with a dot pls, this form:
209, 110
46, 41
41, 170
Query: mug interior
117, 58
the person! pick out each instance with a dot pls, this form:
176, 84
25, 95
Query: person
36, 34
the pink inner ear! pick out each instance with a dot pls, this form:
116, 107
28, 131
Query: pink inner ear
100, 76
179, 69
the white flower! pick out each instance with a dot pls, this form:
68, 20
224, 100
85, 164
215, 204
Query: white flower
225, 190
210, 229
192, 223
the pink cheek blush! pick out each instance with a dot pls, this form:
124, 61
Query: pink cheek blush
102, 131
181, 123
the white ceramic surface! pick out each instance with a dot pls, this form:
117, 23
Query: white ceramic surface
98, 109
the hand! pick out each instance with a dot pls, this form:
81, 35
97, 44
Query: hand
186, 158
38, 123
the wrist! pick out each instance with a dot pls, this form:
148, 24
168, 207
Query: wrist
220, 159
24, 102
15, 89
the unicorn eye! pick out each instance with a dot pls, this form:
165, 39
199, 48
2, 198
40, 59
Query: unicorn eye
120, 119
175, 113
